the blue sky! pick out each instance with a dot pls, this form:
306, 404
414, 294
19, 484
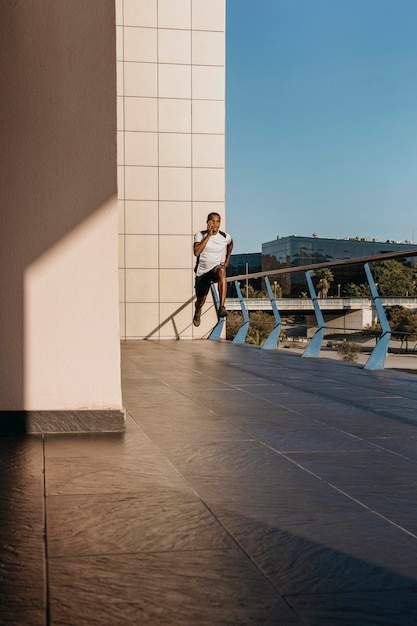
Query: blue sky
321, 119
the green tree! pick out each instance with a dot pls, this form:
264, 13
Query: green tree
393, 278
403, 323
233, 322
255, 293
357, 291
322, 280
261, 324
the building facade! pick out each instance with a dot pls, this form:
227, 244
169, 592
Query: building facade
171, 157
244, 263
295, 251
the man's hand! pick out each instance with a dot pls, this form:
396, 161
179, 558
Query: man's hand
211, 227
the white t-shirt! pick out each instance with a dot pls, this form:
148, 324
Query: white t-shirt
214, 253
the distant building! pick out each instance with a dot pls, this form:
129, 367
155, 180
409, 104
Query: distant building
242, 264
295, 251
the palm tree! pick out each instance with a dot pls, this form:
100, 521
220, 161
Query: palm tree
323, 280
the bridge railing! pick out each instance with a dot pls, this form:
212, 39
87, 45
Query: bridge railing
331, 302
377, 358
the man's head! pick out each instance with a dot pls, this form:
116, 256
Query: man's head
213, 220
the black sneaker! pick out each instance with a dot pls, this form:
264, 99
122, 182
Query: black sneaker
196, 319
222, 311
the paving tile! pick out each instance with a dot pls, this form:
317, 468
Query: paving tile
246, 461
349, 552
277, 417
300, 435
98, 474
183, 588
247, 482
388, 607
22, 550
404, 446
233, 400
22, 553
369, 425
285, 505
158, 520
397, 503
23, 617
407, 415
367, 468
211, 431
21, 467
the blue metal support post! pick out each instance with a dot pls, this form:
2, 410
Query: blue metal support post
378, 355
313, 348
243, 330
273, 338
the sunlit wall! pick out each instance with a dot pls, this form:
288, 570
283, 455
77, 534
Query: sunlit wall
59, 319
171, 156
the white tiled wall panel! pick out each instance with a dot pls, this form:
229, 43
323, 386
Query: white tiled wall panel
141, 251
175, 251
208, 184
141, 148
174, 14
141, 114
174, 115
208, 150
174, 46
174, 81
208, 116
140, 79
171, 137
175, 149
175, 183
208, 82
140, 12
141, 182
140, 44
175, 218
208, 15
141, 285
208, 48
141, 217
177, 321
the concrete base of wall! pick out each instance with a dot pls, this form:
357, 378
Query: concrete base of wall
61, 422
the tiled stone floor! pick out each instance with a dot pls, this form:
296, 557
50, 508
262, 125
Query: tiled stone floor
250, 487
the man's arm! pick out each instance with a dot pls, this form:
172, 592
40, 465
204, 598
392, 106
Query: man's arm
200, 245
228, 254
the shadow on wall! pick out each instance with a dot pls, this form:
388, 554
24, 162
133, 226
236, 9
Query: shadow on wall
171, 320
58, 157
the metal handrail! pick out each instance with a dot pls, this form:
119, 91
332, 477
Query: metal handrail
378, 355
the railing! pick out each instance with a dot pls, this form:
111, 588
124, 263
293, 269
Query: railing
302, 304
376, 361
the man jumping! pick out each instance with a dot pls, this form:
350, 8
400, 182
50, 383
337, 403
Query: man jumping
213, 248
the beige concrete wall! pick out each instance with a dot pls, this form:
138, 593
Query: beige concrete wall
59, 330
171, 156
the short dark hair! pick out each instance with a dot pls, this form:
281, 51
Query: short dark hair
213, 213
